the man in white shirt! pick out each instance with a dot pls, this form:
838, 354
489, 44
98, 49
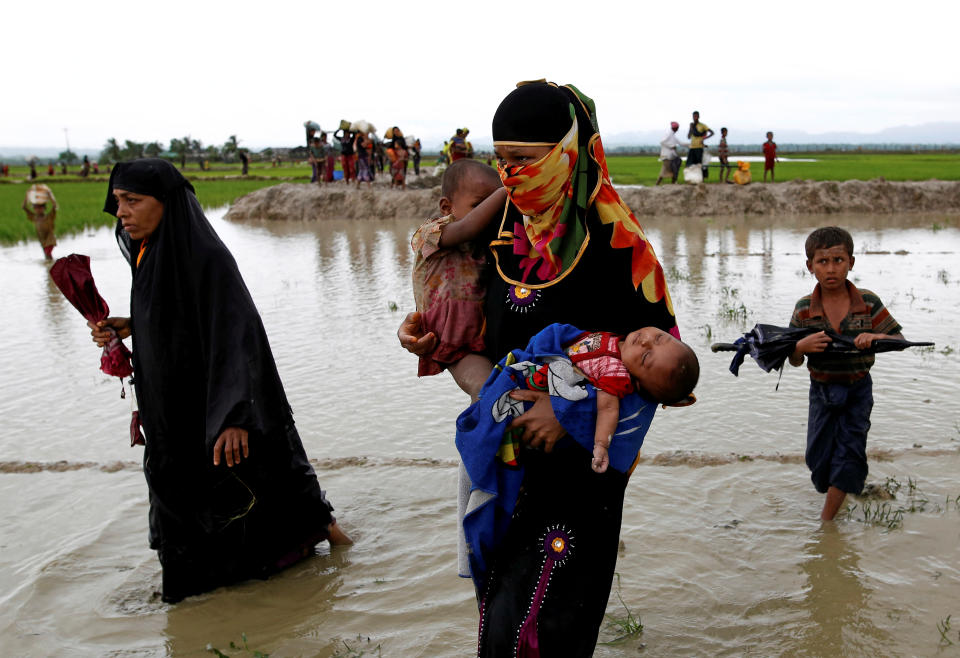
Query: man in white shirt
669, 158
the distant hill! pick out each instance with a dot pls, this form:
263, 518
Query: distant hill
12, 154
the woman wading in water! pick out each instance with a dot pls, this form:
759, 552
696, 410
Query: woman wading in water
232, 494
568, 251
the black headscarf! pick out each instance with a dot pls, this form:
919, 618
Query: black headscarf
151, 176
534, 112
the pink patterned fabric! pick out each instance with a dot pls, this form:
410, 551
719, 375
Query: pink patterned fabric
448, 295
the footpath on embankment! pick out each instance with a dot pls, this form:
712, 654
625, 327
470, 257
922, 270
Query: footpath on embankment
299, 202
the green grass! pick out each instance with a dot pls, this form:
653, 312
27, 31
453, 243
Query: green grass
890, 515
81, 200
242, 646
216, 170
81, 204
643, 170
943, 627
623, 626
363, 647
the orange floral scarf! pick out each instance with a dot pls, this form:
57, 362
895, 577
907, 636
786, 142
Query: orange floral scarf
553, 196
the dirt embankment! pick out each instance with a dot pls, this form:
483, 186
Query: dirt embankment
337, 201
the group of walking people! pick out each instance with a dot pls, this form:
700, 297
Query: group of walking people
362, 154
537, 288
232, 493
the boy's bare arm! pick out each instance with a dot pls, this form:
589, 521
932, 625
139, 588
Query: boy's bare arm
608, 415
470, 226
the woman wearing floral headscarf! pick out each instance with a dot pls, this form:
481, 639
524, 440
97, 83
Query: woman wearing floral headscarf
567, 250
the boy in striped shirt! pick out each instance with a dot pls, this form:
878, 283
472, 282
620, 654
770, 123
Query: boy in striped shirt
841, 391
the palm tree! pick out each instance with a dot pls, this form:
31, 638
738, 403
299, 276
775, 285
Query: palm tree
182, 148
153, 149
111, 151
230, 147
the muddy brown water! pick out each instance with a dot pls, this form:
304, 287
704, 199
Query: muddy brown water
722, 551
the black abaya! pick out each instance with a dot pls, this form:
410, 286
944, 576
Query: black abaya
202, 364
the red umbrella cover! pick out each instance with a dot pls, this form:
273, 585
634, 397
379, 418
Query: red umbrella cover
73, 278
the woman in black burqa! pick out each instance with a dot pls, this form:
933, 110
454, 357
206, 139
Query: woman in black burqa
232, 494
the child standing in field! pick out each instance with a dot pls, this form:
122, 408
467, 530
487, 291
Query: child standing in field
447, 270
723, 154
769, 157
841, 391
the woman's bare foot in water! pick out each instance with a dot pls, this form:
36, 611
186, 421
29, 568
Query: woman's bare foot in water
336, 536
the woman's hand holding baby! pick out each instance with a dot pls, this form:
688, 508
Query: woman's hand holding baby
540, 426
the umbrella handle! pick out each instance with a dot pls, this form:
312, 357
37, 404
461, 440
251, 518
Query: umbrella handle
724, 347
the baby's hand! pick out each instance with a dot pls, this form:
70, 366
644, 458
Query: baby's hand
601, 458
412, 337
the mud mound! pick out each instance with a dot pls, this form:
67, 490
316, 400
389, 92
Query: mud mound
307, 203
289, 201
797, 197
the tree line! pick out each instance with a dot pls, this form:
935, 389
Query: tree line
181, 148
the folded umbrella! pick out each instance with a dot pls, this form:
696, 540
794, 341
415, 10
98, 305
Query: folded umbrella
72, 276
770, 345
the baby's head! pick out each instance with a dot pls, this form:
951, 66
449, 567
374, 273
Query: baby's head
663, 368
465, 184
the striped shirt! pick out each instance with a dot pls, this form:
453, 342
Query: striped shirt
867, 314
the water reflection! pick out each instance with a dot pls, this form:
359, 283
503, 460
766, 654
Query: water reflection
837, 599
288, 608
56, 308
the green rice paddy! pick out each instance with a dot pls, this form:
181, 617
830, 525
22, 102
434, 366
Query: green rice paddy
81, 200
643, 170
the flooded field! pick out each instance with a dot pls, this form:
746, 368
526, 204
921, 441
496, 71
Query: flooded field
722, 553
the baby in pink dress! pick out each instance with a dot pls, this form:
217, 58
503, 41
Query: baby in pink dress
447, 269
648, 360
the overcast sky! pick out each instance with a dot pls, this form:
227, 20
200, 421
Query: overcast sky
156, 70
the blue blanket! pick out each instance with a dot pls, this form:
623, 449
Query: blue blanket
493, 463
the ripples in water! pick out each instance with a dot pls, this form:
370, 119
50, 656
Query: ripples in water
722, 551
